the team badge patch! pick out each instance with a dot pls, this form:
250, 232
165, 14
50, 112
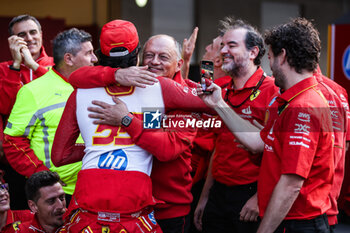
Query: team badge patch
15, 225
151, 119
105, 229
254, 95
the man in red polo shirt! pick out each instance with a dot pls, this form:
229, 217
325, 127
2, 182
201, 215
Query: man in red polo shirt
335, 95
228, 199
297, 165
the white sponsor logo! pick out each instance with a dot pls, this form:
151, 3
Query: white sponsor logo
245, 116
342, 97
300, 137
268, 148
305, 117
334, 114
194, 92
293, 143
186, 89
247, 111
270, 137
331, 103
304, 129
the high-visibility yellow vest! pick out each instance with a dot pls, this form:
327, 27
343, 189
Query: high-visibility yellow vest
36, 114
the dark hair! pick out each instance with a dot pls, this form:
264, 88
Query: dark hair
253, 37
301, 41
68, 41
21, 18
39, 180
121, 62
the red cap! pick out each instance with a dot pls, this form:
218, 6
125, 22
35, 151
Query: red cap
118, 34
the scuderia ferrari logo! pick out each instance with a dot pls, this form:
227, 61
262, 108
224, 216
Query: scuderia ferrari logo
254, 95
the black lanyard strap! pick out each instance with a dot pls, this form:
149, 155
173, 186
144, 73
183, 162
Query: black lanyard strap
256, 88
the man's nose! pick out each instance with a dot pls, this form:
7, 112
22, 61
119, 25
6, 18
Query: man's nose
94, 58
223, 50
155, 60
28, 37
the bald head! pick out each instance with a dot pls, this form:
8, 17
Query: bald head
162, 54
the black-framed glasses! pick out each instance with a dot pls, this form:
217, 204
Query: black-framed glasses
4, 187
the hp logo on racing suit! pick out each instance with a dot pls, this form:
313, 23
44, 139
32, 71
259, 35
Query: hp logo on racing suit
116, 160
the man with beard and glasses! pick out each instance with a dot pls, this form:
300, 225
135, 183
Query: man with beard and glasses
297, 167
228, 202
46, 199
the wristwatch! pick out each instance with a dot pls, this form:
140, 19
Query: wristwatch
126, 120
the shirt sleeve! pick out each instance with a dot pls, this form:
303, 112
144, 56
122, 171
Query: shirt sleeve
21, 157
179, 97
64, 148
164, 144
18, 132
299, 138
10, 83
92, 76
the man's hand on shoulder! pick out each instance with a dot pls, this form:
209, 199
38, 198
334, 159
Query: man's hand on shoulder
137, 76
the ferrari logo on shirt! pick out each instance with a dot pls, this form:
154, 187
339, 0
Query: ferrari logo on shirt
254, 95
105, 229
15, 225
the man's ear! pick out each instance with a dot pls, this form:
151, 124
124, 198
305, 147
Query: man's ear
68, 59
283, 56
217, 61
254, 52
32, 206
179, 64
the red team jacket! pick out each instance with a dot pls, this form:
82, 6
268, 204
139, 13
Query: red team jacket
15, 218
11, 81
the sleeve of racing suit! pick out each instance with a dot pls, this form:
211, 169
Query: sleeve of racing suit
179, 97
92, 76
166, 144
64, 148
21, 157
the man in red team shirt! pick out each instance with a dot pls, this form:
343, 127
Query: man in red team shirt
29, 61
47, 201
297, 165
228, 199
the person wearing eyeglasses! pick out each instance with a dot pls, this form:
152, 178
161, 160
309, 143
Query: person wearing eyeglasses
10, 219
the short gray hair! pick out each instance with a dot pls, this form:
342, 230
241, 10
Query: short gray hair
68, 41
178, 47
